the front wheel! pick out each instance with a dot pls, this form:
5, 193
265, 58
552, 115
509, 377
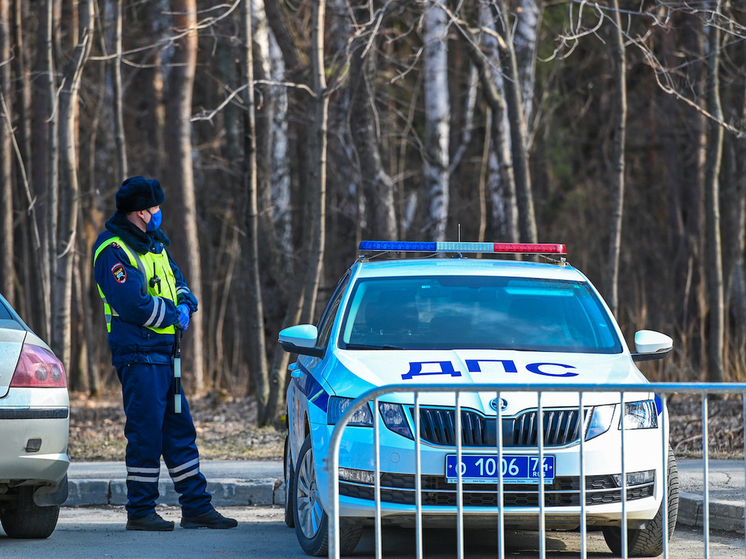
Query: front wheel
25, 519
648, 542
311, 521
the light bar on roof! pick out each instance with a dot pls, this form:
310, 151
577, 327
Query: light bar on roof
503, 248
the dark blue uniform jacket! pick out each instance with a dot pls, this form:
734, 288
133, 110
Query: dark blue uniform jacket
129, 339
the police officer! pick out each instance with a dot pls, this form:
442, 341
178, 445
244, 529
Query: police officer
146, 300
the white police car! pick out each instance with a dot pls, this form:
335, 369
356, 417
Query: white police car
468, 320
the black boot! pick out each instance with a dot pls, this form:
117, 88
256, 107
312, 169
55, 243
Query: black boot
150, 523
212, 519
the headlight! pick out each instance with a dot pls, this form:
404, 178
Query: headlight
600, 422
640, 415
392, 415
338, 406
394, 418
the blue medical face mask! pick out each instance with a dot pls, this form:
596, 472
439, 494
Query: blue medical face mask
155, 221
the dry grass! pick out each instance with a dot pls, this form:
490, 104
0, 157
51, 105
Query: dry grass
226, 429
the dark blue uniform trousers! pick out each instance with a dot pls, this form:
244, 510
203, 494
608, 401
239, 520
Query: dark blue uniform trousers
154, 430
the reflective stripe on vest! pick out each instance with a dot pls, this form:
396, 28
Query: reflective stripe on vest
149, 265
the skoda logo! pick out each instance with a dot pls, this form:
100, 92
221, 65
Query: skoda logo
503, 404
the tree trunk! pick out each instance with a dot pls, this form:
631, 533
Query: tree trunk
616, 180
7, 267
500, 177
317, 146
738, 247
528, 23
255, 308
53, 158
437, 124
524, 196
181, 196
280, 180
714, 263
114, 16
280, 184
273, 256
24, 168
290, 63
377, 184
69, 191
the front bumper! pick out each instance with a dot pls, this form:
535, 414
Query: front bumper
562, 497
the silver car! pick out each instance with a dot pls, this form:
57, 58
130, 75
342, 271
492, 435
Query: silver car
34, 428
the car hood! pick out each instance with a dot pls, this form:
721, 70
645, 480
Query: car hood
354, 372
12, 336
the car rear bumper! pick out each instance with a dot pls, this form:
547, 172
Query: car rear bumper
34, 427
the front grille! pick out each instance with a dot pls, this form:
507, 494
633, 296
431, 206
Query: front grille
436, 491
438, 426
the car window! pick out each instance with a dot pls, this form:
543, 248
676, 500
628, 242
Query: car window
477, 312
330, 313
4, 313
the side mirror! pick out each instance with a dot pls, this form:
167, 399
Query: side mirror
651, 345
301, 339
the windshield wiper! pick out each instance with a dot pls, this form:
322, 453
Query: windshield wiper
370, 346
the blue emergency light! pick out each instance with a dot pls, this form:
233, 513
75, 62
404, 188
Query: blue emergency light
503, 248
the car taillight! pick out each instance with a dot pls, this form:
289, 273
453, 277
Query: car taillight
38, 367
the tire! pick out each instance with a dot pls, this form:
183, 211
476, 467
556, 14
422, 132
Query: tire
25, 519
289, 475
311, 521
648, 542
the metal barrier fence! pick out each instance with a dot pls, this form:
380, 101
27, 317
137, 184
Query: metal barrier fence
663, 390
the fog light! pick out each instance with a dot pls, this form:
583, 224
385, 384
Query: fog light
635, 478
33, 445
359, 476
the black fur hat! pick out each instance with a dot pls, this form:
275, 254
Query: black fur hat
139, 193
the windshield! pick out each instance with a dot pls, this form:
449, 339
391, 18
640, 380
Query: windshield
477, 312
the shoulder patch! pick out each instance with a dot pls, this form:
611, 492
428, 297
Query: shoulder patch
115, 245
119, 273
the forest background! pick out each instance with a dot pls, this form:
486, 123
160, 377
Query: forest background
616, 128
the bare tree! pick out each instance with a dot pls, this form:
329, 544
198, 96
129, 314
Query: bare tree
7, 268
181, 174
500, 177
378, 187
437, 124
714, 262
294, 63
69, 191
281, 218
255, 307
114, 17
528, 22
518, 131
317, 146
616, 179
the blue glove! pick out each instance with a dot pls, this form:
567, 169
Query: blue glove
182, 321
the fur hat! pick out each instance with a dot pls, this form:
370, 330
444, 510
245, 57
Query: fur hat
139, 193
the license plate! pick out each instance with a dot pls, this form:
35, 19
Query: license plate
476, 468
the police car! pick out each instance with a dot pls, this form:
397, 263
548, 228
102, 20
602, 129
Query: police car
444, 317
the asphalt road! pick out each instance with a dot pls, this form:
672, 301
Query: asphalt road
86, 533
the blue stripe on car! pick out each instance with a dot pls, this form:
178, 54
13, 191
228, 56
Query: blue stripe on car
313, 391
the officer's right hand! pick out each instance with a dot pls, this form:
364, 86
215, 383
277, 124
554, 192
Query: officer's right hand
182, 321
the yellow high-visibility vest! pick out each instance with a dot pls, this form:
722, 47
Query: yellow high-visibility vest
149, 265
